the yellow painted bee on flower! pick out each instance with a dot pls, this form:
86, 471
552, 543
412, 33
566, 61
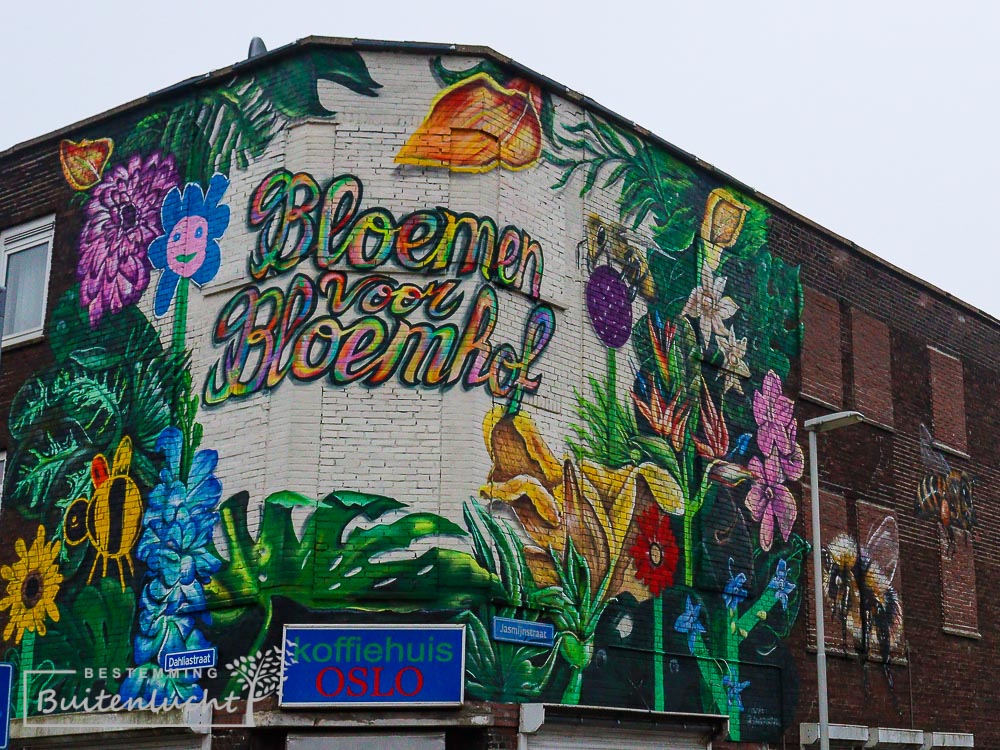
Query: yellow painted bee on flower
111, 517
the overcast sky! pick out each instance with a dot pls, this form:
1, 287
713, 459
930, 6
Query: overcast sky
874, 118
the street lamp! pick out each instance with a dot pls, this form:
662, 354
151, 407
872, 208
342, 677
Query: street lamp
822, 424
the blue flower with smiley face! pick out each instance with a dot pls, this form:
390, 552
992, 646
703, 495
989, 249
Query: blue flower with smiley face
193, 224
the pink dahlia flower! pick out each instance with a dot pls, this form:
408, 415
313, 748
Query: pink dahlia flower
120, 220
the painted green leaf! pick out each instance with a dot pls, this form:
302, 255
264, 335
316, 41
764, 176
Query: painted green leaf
504, 672
93, 632
116, 381
347, 550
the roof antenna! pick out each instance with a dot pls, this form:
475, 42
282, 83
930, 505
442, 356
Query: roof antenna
257, 48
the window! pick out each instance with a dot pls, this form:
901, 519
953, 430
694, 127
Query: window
25, 257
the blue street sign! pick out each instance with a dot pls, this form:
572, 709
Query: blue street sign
523, 631
6, 683
201, 659
392, 665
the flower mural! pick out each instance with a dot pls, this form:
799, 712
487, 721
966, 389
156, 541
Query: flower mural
709, 306
595, 508
655, 551
477, 124
121, 219
193, 223
32, 584
176, 546
83, 162
661, 520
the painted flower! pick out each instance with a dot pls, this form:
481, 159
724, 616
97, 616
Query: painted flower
773, 412
709, 307
770, 502
655, 551
477, 124
690, 623
193, 223
716, 441
176, 546
733, 365
120, 220
607, 243
780, 584
735, 592
32, 584
731, 682
83, 162
592, 506
721, 225
609, 304
666, 420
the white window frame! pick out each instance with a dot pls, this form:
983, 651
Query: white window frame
22, 237
3, 473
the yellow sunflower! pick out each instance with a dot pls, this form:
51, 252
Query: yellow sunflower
32, 584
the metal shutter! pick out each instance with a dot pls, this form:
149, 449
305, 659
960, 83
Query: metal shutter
591, 738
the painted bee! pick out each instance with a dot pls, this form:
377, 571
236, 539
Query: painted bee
608, 240
944, 494
858, 579
111, 517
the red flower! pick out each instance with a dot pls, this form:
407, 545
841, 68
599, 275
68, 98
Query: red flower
655, 551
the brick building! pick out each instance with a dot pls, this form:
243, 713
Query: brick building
371, 393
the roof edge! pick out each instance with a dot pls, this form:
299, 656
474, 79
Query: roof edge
488, 52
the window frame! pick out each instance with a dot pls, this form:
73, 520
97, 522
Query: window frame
22, 237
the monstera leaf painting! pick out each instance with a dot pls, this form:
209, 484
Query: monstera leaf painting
106, 383
232, 124
347, 550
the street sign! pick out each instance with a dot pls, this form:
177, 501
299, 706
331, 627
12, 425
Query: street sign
523, 631
378, 665
201, 659
6, 683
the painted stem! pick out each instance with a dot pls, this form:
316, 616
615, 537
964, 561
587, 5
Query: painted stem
733, 640
612, 395
571, 696
27, 664
659, 655
180, 317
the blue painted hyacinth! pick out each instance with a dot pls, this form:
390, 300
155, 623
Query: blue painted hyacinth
176, 548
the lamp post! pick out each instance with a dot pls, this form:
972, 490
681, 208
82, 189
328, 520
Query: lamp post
822, 424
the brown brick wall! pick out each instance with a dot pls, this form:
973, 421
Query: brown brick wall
872, 367
822, 368
948, 399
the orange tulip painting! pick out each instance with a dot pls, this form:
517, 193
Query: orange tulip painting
83, 163
476, 125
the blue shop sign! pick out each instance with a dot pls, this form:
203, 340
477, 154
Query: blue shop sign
523, 631
391, 665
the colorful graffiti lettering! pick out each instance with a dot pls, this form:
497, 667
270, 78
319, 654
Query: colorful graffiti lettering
293, 222
270, 334
290, 340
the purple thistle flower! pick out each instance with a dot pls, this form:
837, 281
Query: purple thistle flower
609, 303
121, 218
